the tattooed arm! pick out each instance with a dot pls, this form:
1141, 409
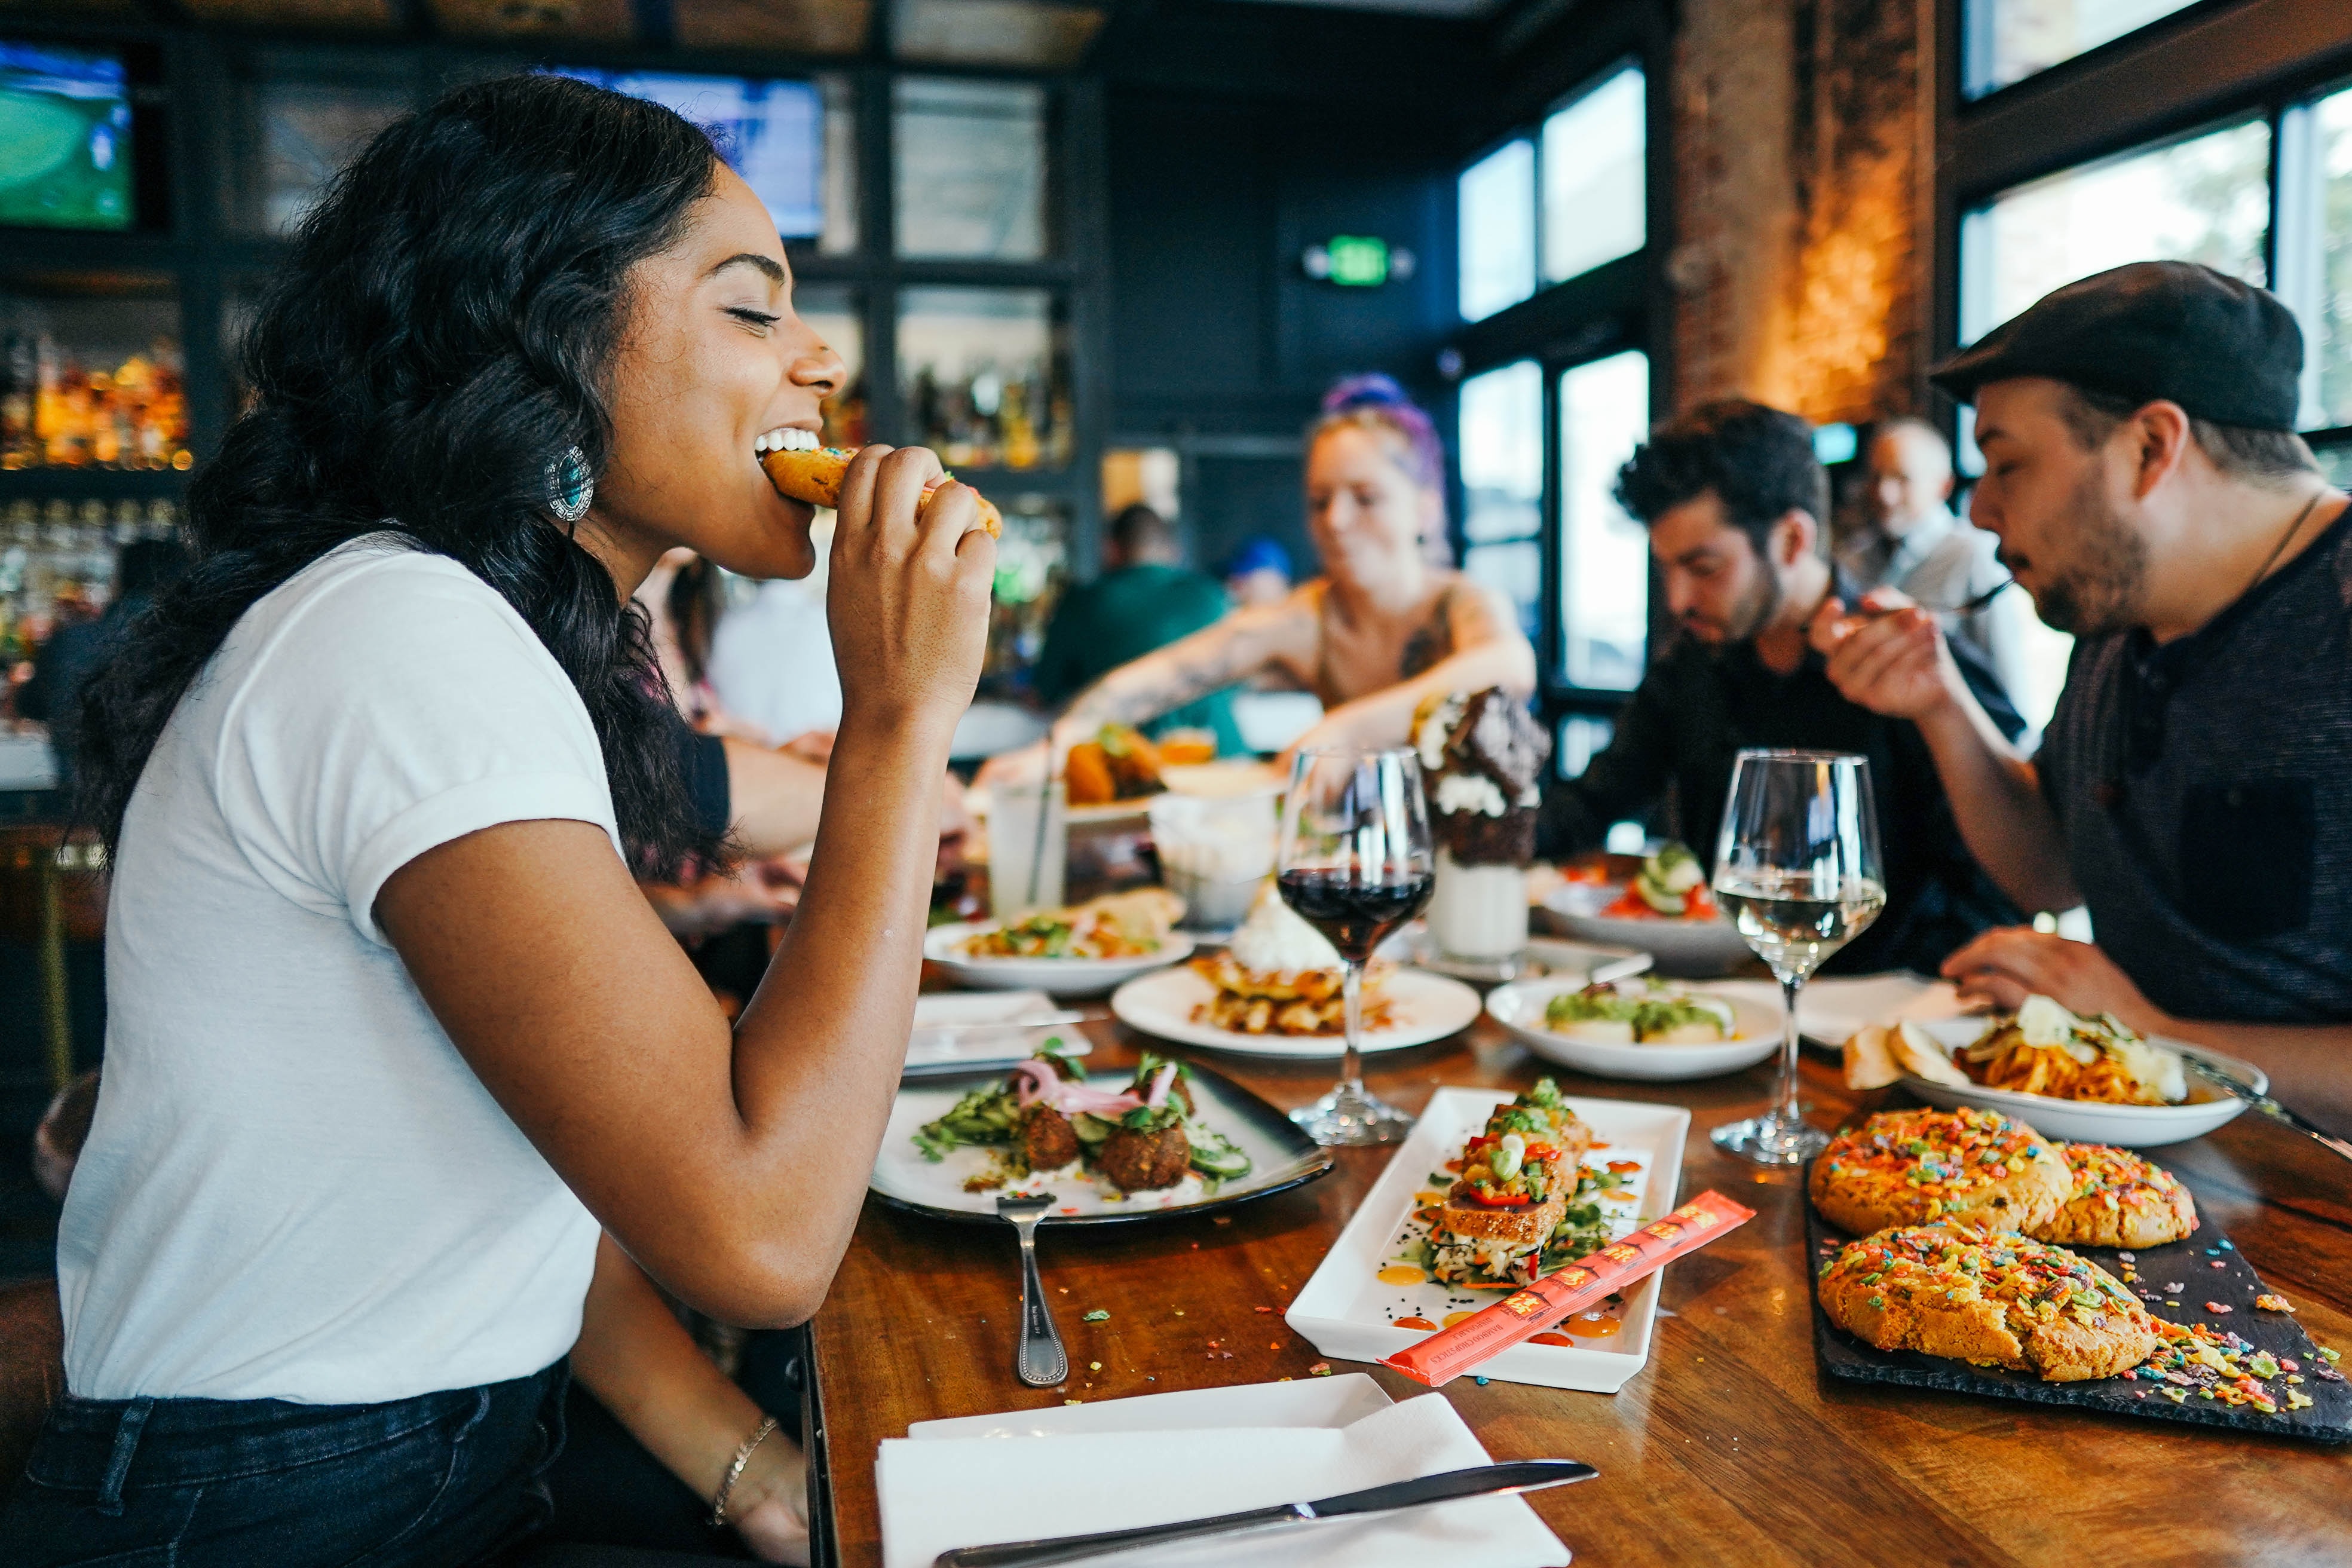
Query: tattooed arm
1489, 649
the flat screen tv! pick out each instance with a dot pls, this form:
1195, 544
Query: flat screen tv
65, 139
770, 133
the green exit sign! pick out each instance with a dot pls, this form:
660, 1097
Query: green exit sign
1357, 261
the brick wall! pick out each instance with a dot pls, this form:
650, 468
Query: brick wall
1802, 145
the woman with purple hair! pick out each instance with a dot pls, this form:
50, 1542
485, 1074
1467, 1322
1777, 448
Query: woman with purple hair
1383, 627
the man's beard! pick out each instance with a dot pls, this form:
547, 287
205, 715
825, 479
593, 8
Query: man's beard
2098, 594
1755, 612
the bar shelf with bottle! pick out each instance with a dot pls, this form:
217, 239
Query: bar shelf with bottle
91, 375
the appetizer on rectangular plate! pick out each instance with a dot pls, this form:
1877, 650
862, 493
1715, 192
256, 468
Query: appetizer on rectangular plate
1445, 1227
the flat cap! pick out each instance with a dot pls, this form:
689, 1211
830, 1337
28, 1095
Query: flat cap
2223, 349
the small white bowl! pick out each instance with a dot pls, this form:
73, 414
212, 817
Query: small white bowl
2093, 1121
943, 945
1519, 1007
1698, 949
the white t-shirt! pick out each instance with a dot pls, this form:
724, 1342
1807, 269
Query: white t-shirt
295, 1188
771, 661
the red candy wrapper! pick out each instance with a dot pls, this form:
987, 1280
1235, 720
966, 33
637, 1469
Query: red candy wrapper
1530, 1309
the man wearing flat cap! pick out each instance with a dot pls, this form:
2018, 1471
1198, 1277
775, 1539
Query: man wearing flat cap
2194, 787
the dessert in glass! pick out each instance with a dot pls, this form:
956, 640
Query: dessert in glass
1482, 756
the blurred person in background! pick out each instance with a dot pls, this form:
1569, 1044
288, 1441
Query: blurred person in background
771, 662
1733, 497
1258, 573
1379, 631
53, 692
1916, 546
1144, 598
2194, 788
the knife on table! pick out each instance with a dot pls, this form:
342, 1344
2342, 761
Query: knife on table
2265, 1104
1524, 1476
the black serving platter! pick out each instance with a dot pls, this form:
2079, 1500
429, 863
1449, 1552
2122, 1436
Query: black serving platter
1225, 1105
2205, 1267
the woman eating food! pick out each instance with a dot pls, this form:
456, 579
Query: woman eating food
1379, 631
391, 1034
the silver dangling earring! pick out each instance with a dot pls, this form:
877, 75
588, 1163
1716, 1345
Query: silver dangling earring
570, 485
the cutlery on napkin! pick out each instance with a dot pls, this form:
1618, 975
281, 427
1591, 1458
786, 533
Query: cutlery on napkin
942, 1493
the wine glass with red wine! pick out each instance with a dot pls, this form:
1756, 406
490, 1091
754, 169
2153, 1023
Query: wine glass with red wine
1356, 864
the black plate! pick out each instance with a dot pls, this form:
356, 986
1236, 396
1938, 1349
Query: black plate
1306, 1160
2189, 1264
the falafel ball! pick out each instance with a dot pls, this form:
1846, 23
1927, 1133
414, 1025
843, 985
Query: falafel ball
1180, 1091
1141, 1162
1047, 1140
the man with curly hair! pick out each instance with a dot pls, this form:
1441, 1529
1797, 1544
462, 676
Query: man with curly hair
1733, 500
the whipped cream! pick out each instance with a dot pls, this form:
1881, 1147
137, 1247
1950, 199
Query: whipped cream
1274, 938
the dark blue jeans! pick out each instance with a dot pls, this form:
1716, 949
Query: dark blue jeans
435, 1481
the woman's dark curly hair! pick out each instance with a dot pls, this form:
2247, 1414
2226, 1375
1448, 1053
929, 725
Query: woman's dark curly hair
444, 327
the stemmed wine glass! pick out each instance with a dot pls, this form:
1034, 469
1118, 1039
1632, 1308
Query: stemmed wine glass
1356, 864
1797, 870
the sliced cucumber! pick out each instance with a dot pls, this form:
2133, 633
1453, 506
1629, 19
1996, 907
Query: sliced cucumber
1213, 1154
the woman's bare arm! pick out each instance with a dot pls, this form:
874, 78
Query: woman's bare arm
639, 1362
1489, 649
732, 1169
1236, 647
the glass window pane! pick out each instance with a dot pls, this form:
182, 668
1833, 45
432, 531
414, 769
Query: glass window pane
1513, 569
1501, 444
971, 168
840, 236
1604, 413
2331, 322
303, 133
2009, 40
1498, 230
2204, 198
2336, 462
986, 375
1594, 183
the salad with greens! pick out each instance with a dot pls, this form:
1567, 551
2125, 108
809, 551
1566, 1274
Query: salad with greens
1616, 1014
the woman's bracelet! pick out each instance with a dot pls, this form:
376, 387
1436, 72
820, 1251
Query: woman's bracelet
735, 1470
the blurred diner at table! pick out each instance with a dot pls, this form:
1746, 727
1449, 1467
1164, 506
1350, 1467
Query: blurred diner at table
1383, 627
1733, 497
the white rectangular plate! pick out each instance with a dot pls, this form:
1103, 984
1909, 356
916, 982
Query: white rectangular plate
1347, 1310
1327, 1403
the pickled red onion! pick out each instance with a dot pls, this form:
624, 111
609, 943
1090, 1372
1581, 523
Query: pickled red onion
1038, 1081
1159, 1083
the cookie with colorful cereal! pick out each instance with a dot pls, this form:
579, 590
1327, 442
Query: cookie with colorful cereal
1965, 1167
2120, 1200
1989, 1297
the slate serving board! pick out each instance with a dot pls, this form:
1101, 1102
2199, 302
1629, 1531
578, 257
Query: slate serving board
2189, 1264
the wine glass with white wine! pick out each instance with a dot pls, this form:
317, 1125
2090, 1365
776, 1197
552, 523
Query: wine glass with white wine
1797, 870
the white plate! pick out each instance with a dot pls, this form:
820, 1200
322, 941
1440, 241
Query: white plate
1060, 976
1834, 1006
1281, 1157
1345, 1310
1693, 949
1422, 1007
1324, 1403
1519, 1007
1543, 955
2091, 1120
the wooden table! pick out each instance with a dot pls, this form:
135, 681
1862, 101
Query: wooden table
1727, 1447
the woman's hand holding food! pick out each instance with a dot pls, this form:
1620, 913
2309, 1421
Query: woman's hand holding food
909, 592
2006, 965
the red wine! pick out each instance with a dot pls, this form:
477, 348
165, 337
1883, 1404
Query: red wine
1353, 914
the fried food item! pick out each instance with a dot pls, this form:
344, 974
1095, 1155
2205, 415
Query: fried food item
1991, 1298
1286, 1001
1518, 1176
1877, 1055
1119, 763
1047, 1140
814, 476
1142, 1160
2120, 1200
1968, 1167
2045, 1049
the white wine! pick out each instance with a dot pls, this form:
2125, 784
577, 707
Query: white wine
1791, 926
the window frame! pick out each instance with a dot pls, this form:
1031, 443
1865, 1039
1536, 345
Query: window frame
1624, 303
2201, 67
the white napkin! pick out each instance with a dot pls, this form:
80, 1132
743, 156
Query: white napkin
951, 1492
984, 1029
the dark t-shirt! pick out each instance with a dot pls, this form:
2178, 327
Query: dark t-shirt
1696, 710
2204, 788
1122, 615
